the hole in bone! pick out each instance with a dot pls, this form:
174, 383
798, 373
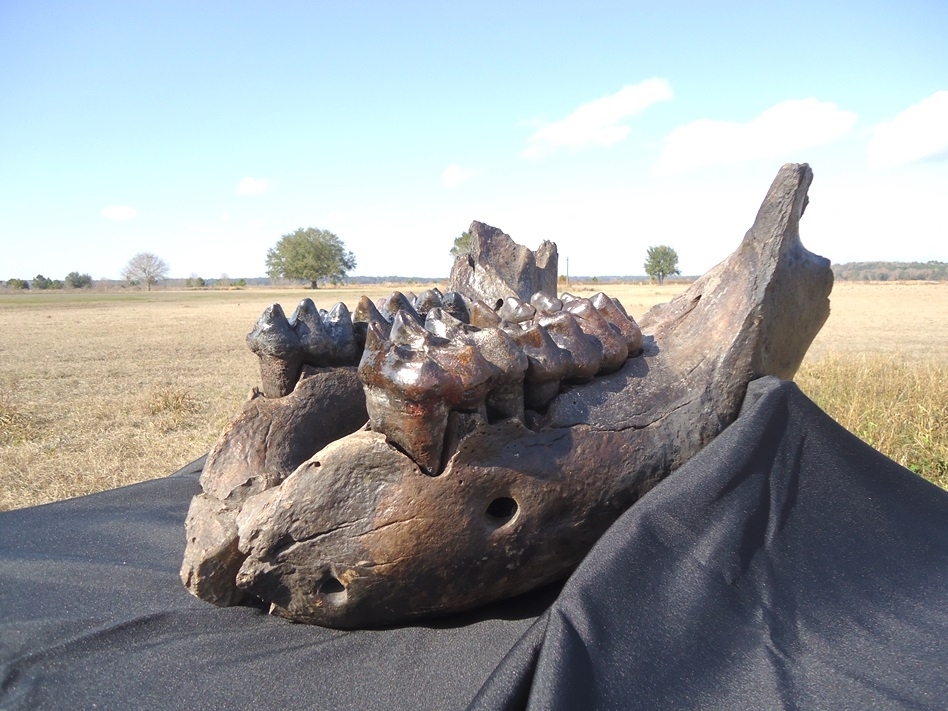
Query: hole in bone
332, 589
501, 511
498, 304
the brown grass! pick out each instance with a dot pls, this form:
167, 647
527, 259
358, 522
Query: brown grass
101, 390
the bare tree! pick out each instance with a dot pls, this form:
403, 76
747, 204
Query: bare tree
145, 268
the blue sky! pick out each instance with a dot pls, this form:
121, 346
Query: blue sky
203, 132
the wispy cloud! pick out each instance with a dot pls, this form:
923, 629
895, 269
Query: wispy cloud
454, 175
918, 133
779, 131
253, 186
598, 123
119, 213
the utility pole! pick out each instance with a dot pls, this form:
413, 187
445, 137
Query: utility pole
567, 273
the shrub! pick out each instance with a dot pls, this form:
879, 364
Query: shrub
78, 281
18, 284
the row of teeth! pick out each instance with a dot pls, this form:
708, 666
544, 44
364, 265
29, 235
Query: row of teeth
421, 358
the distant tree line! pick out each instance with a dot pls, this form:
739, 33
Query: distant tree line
73, 280
891, 271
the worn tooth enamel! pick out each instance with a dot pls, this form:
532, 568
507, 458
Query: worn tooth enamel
426, 301
566, 297
516, 310
279, 349
444, 325
585, 352
403, 397
615, 349
413, 379
406, 331
482, 315
505, 397
547, 364
617, 317
396, 302
457, 305
545, 304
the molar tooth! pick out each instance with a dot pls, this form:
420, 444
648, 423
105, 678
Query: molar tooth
585, 352
338, 323
613, 312
403, 397
455, 304
413, 379
279, 349
442, 324
314, 338
430, 299
505, 397
516, 310
482, 315
615, 350
545, 304
366, 313
547, 365
396, 302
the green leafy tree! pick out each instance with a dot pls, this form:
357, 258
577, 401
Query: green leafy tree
145, 268
41, 282
78, 281
660, 262
18, 284
310, 254
462, 244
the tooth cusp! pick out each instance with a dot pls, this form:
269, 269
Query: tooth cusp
585, 353
279, 349
616, 315
615, 350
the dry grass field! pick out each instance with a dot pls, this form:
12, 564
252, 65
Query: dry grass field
102, 390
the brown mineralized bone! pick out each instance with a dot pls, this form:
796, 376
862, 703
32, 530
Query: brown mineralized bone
269, 438
613, 312
497, 267
279, 349
360, 535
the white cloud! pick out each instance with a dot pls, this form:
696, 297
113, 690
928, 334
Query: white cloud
119, 213
454, 175
253, 186
919, 132
779, 131
598, 123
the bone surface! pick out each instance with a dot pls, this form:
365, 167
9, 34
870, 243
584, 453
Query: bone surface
446, 503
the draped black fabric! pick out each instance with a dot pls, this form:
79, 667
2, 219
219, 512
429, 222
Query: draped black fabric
788, 565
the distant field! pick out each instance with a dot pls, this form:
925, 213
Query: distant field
102, 390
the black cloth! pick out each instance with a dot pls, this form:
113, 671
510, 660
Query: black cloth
788, 565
